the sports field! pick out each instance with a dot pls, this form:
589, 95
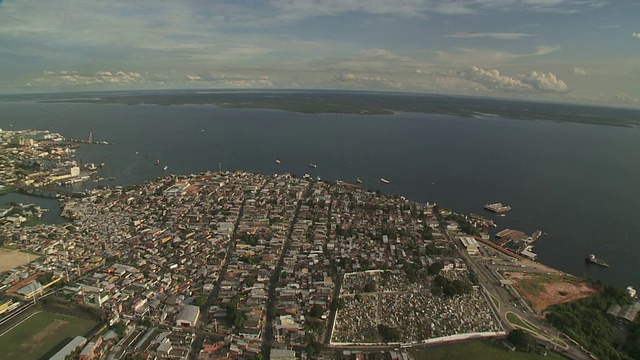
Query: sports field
41, 333
10, 259
476, 350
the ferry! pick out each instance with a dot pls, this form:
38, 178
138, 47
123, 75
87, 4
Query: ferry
385, 181
497, 208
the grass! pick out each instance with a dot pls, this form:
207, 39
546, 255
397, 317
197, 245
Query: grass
40, 334
516, 320
476, 350
495, 301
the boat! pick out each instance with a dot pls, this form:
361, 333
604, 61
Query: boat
632, 292
165, 168
592, 259
158, 162
497, 208
385, 181
278, 162
359, 181
312, 165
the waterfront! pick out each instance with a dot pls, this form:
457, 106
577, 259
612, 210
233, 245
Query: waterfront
579, 183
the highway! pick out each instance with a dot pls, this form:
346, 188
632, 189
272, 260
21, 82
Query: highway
507, 303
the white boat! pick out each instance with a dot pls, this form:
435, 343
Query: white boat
312, 165
632, 292
278, 161
359, 181
165, 168
385, 181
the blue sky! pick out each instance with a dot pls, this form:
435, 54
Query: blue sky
584, 51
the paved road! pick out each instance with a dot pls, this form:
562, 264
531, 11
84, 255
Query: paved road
507, 304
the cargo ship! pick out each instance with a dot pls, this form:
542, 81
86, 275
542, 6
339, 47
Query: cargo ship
592, 259
498, 208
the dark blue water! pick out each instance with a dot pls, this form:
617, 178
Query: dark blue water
578, 183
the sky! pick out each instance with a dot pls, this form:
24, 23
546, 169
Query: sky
576, 51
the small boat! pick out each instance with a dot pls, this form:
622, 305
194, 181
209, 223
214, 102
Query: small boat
592, 259
312, 165
157, 162
278, 162
359, 181
385, 181
102, 164
165, 168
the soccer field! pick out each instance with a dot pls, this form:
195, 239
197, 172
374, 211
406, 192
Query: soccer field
40, 333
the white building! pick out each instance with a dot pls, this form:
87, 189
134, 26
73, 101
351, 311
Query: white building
470, 244
188, 316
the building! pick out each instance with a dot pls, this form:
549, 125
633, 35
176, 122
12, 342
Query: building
470, 244
69, 348
188, 316
283, 354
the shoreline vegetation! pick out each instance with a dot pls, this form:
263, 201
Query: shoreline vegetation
365, 103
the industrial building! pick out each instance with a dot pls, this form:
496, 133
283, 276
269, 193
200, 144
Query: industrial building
470, 244
188, 316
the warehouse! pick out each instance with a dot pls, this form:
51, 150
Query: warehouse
188, 316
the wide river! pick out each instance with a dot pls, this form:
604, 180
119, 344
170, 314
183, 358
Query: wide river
578, 183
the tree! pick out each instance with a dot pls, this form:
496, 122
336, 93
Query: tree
389, 334
201, 301
316, 311
521, 339
370, 287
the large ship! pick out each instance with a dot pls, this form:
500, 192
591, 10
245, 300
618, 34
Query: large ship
592, 259
498, 208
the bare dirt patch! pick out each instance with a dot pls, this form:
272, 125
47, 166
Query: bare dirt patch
44, 333
10, 259
543, 290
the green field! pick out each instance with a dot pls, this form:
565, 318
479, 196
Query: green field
40, 334
476, 350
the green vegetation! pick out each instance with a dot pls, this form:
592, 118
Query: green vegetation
235, 316
389, 334
442, 285
521, 339
376, 103
585, 321
463, 224
41, 333
477, 349
6, 190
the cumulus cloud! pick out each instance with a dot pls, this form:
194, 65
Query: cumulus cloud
636, 35
224, 80
491, 79
365, 81
579, 70
73, 77
497, 36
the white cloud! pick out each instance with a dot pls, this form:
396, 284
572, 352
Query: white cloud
579, 70
232, 81
491, 79
636, 35
544, 82
351, 80
497, 36
73, 77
